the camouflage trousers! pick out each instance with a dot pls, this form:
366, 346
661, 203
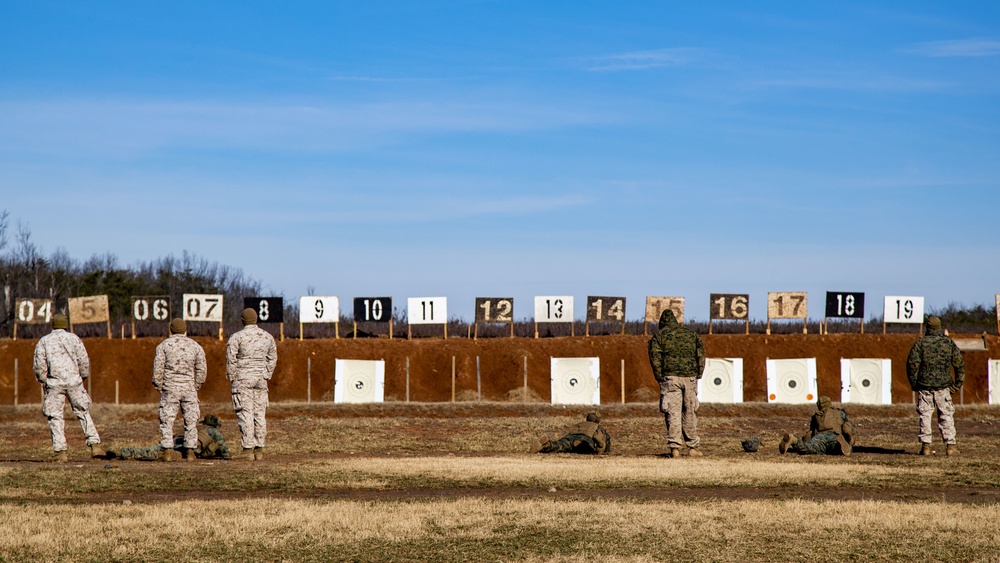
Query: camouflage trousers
53, 406
822, 443
150, 453
571, 444
679, 405
185, 400
250, 405
927, 402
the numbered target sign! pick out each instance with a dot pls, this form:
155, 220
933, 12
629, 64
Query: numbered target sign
202, 307
791, 381
553, 309
151, 308
904, 309
866, 380
722, 381
91, 309
729, 306
845, 305
655, 306
576, 381
359, 381
494, 309
427, 310
787, 304
372, 309
269, 309
33, 311
319, 309
993, 372
601, 308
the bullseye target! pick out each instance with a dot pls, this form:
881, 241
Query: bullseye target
866, 380
791, 381
994, 390
722, 381
359, 381
576, 381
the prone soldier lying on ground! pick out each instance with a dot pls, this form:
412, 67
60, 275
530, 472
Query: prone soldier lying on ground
211, 444
587, 437
830, 432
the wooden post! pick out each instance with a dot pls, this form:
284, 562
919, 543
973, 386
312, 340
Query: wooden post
356, 330
407, 379
862, 325
116, 391
281, 332
623, 328
805, 330
512, 326
453, 379
109, 328
524, 394
309, 382
468, 330
536, 329
748, 326
133, 329
475, 333
883, 330
390, 329
572, 327
409, 331
300, 331
123, 331
479, 383
15, 382
710, 326
15, 328
586, 326
446, 331
768, 331
220, 330
623, 381
336, 328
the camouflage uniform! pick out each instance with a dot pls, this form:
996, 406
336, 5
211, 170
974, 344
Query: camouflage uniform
61, 365
179, 370
250, 359
585, 438
211, 443
825, 427
929, 367
677, 357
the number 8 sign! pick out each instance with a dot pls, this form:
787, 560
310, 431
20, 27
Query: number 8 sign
269, 309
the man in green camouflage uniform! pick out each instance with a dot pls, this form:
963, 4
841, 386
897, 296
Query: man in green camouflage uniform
587, 437
61, 365
929, 367
211, 444
678, 360
179, 370
830, 432
251, 356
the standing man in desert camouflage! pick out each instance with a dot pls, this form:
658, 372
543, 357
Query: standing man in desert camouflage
179, 371
929, 367
678, 360
250, 359
61, 365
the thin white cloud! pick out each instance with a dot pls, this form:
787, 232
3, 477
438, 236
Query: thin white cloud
972, 47
851, 81
642, 60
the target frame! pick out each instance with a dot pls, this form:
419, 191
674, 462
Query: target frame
588, 369
347, 372
848, 367
993, 379
778, 391
734, 394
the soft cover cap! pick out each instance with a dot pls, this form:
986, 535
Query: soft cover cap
60, 321
178, 326
249, 316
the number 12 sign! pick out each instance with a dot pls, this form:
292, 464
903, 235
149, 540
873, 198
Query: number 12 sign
904, 309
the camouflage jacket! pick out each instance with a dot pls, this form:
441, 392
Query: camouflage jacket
61, 360
597, 432
931, 360
675, 351
250, 355
179, 365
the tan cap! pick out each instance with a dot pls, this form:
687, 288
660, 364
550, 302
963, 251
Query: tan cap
60, 321
178, 326
249, 316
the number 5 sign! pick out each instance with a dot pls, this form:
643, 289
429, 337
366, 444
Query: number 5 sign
91, 309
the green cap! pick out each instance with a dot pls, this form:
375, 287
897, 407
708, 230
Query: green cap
249, 316
60, 321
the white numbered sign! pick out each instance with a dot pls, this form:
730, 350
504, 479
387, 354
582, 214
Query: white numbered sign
427, 310
151, 308
494, 309
733, 306
269, 309
787, 305
202, 307
655, 306
602, 308
993, 372
553, 308
91, 309
904, 309
319, 309
33, 311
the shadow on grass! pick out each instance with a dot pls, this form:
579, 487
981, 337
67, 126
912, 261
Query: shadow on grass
878, 450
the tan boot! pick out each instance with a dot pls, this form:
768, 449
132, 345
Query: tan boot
845, 448
246, 455
97, 452
539, 445
951, 449
925, 449
189, 454
694, 452
258, 454
60, 457
675, 452
165, 455
786, 442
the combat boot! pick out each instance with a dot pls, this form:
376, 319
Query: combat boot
189, 454
786, 442
675, 452
246, 455
951, 449
164, 455
258, 454
845, 447
925, 449
539, 445
694, 452
97, 452
60, 457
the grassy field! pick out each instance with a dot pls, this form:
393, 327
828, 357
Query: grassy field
445, 482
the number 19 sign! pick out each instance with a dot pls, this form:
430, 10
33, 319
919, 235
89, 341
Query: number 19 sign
903, 309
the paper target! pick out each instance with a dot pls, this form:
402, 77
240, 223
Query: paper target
359, 381
994, 390
722, 381
576, 381
866, 380
791, 381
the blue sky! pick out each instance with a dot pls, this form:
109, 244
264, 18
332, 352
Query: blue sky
517, 148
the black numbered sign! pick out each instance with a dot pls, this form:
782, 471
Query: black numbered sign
494, 309
269, 309
844, 304
601, 308
729, 306
372, 309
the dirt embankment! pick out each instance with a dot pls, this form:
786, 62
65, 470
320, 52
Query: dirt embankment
501, 360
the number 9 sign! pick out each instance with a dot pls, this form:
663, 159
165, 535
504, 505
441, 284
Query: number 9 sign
319, 309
